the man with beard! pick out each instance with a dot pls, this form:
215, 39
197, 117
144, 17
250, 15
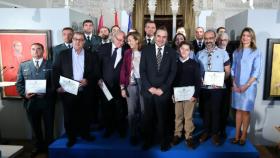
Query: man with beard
104, 33
210, 59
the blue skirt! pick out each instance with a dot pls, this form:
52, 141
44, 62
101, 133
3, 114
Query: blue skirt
245, 101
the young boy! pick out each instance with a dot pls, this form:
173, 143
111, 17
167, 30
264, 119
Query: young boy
188, 74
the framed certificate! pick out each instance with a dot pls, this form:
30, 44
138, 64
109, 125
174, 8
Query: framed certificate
183, 93
214, 78
35, 86
70, 86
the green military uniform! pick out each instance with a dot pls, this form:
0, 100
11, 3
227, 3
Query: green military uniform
93, 43
39, 106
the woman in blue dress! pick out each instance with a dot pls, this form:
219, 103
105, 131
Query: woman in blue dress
246, 70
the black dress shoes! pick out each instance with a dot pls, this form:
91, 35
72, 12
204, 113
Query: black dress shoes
165, 147
175, 140
107, 134
34, 152
216, 139
88, 138
133, 140
146, 146
71, 142
190, 143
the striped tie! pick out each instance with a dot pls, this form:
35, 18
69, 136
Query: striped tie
159, 57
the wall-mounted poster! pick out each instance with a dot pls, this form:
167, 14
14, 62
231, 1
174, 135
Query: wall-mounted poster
272, 72
15, 48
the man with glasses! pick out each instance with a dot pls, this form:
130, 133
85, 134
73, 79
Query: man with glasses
114, 110
210, 59
80, 65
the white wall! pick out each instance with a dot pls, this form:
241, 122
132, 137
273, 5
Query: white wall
235, 24
13, 120
266, 25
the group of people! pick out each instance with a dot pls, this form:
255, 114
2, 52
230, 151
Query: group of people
141, 74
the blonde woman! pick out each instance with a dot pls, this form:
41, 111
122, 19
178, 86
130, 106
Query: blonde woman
246, 70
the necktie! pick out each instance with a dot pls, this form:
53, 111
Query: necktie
37, 64
68, 45
149, 41
159, 57
114, 56
88, 39
199, 44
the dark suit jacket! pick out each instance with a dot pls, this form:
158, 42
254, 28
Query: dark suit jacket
196, 48
57, 49
146, 43
63, 67
94, 43
27, 71
109, 74
150, 76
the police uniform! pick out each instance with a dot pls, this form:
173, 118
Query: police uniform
39, 106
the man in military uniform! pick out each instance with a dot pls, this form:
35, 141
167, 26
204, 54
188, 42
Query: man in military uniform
92, 42
37, 105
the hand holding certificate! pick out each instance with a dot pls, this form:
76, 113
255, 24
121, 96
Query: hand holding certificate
70, 86
183, 93
35, 86
214, 78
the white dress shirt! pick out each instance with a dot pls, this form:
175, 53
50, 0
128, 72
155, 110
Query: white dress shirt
39, 63
78, 64
162, 49
119, 54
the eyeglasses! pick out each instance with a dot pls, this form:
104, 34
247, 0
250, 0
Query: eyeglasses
209, 65
78, 40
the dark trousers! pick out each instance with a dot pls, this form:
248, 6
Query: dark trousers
114, 114
36, 113
76, 114
226, 104
212, 108
156, 108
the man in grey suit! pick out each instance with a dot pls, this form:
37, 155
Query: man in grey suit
92, 41
67, 35
38, 106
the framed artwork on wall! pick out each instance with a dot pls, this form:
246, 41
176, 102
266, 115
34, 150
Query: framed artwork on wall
15, 48
272, 72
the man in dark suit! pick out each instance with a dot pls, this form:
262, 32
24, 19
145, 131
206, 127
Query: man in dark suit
92, 41
114, 111
67, 35
157, 71
198, 42
38, 106
150, 29
82, 66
